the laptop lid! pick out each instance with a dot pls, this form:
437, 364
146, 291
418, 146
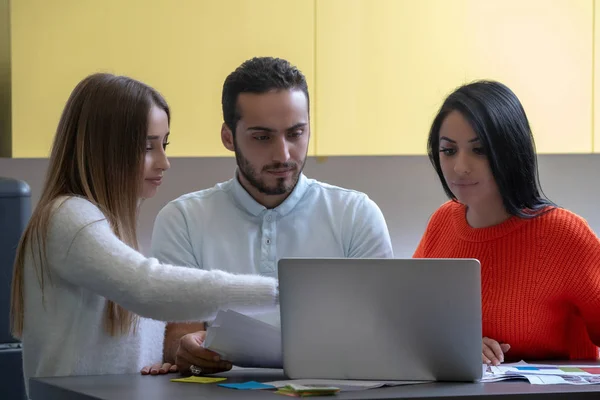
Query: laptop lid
381, 319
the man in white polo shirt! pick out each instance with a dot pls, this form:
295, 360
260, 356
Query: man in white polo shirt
269, 209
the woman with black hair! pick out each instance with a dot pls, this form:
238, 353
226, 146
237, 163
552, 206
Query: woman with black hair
540, 264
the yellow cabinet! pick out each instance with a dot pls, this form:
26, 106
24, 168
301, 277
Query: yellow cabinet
384, 66
5, 117
184, 48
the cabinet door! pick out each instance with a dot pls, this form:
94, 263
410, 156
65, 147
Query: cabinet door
183, 48
5, 114
383, 68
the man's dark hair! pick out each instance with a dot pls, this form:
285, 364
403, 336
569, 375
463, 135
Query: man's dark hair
259, 75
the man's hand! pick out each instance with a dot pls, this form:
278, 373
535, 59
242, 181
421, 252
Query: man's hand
493, 352
159, 369
190, 352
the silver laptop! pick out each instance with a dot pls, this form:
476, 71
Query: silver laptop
381, 319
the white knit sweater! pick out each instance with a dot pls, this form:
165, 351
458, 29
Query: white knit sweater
64, 332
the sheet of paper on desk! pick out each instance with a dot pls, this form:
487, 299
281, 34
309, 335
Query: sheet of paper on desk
344, 385
244, 341
543, 374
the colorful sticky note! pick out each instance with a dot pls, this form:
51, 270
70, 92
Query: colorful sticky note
198, 379
571, 369
251, 385
307, 391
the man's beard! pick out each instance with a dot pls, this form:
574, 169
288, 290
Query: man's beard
253, 177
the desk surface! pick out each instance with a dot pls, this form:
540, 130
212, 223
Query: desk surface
138, 387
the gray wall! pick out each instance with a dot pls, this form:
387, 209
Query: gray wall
405, 188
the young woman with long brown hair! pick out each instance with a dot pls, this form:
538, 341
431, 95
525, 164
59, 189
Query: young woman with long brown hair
84, 300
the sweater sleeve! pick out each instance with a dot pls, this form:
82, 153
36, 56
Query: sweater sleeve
422, 248
83, 250
420, 251
579, 250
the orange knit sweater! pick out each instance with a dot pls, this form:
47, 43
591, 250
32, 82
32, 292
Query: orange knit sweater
540, 279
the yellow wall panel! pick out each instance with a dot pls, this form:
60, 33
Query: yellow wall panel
5, 114
543, 51
184, 48
385, 68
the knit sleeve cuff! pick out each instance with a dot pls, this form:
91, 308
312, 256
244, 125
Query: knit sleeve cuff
251, 293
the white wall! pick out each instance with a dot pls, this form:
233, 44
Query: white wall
405, 188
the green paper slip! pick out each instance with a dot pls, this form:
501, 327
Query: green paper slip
295, 390
198, 379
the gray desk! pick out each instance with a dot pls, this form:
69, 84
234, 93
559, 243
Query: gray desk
137, 387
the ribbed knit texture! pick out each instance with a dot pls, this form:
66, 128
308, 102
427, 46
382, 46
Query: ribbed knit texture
540, 279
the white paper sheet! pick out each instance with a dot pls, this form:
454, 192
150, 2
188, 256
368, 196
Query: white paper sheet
244, 341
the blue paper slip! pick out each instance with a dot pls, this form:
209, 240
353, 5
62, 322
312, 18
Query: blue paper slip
251, 385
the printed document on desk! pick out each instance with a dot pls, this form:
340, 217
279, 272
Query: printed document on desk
244, 341
544, 374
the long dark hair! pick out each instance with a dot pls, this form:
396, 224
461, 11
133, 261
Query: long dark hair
499, 120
